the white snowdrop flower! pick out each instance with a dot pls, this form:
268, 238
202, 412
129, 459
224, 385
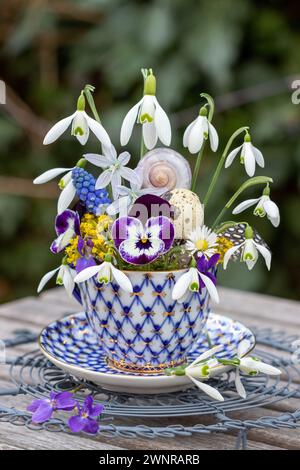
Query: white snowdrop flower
250, 365
150, 114
264, 207
81, 126
198, 131
106, 272
250, 250
250, 155
65, 277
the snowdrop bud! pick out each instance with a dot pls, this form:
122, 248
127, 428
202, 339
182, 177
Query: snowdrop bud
150, 84
203, 111
247, 137
249, 232
266, 191
81, 163
81, 103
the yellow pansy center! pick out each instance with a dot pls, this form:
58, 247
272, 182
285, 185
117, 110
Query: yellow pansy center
201, 245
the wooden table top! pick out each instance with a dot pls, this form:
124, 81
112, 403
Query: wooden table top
252, 309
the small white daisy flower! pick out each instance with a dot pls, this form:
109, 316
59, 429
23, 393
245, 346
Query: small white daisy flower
202, 241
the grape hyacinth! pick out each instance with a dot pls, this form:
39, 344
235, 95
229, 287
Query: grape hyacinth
94, 200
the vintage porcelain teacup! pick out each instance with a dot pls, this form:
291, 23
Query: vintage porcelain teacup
145, 331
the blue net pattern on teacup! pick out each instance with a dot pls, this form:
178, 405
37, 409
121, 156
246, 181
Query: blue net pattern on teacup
146, 328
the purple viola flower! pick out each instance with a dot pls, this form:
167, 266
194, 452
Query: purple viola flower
83, 263
85, 419
43, 409
67, 226
142, 244
205, 266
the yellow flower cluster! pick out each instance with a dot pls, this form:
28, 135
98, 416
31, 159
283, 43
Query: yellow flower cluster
94, 228
223, 244
71, 251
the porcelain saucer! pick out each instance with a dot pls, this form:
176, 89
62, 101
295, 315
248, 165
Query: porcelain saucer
71, 345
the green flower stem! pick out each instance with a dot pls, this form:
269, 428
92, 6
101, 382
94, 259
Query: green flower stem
247, 184
221, 163
197, 168
88, 90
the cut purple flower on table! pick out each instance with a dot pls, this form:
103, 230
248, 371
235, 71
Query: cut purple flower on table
67, 226
142, 244
84, 420
43, 409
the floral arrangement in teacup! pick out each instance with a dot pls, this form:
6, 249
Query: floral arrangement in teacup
150, 217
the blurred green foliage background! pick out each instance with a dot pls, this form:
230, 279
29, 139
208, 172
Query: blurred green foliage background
244, 53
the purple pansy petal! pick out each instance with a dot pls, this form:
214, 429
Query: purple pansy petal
121, 229
150, 205
35, 404
91, 426
141, 253
80, 246
43, 413
166, 230
67, 219
65, 401
213, 260
77, 423
96, 411
83, 263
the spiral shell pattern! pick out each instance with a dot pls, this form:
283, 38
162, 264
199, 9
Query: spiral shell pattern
164, 168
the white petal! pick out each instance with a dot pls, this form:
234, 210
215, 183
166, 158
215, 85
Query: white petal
231, 156
187, 133
50, 174
249, 159
66, 197
129, 174
57, 130
98, 130
272, 212
68, 281
266, 254
239, 386
104, 179
250, 364
116, 206
116, 183
97, 160
124, 158
244, 205
243, 348
212, 392
206, 355
128, 123
213, 137
181, 286
212, 290
46, 278
258, 157
149, 135
196, 136
122, 280
87, 273
229, 253
162, 124
80, 122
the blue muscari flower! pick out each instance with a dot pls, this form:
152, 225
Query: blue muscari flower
94, 200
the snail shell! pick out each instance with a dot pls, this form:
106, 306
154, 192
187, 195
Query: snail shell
164, 168
188, 211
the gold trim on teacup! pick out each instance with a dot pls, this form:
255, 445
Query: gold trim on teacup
146, 369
